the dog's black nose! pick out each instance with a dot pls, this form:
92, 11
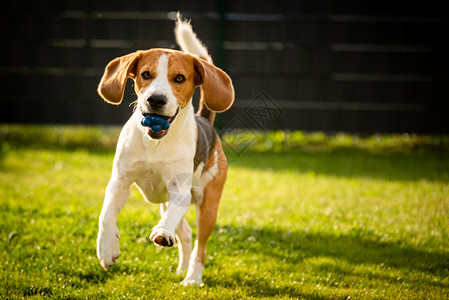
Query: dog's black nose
157, 101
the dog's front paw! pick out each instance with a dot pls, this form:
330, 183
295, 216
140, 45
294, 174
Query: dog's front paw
107, 248
162, 237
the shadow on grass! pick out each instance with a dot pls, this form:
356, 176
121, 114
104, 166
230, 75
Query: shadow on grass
343, 256
284, 256
351, 163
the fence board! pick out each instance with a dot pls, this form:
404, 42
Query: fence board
333, 65
377, 31
382, 62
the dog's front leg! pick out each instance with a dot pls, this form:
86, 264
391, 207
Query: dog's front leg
179, 190
117, 192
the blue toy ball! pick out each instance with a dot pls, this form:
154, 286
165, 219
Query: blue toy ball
155, 122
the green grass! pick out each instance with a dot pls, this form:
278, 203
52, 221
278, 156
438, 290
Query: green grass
302, 216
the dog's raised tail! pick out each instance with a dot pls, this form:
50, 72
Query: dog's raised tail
188, 41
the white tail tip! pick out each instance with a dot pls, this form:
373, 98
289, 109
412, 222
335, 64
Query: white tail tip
188, 40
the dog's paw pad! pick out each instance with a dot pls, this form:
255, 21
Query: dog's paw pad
162, 237
162, 241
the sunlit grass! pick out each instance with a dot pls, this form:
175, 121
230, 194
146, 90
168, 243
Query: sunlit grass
302, 221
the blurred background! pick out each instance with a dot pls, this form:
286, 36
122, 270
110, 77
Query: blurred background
352, 66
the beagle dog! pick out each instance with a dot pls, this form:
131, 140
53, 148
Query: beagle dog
177, 166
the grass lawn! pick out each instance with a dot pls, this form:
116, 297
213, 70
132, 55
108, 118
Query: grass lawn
302, 216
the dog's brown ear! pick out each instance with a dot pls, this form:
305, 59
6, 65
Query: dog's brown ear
217, 86
112, 84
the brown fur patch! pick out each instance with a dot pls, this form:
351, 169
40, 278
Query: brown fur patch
207, 214
178, 63
216, 84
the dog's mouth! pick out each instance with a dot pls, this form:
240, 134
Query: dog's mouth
158, 125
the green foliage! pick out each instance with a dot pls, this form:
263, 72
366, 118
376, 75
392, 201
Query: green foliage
64, 137
279, 141
302, 216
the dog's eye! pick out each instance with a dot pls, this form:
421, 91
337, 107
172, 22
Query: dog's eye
180, 78
146, 75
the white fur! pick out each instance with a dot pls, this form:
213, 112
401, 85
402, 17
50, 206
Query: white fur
201, 181
161, 169
195, 272
159, 86
152, 165
188, 41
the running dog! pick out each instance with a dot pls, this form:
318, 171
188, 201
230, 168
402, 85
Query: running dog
173, 155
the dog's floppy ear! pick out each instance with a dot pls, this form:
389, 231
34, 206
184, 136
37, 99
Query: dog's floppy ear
217, 86
112, 84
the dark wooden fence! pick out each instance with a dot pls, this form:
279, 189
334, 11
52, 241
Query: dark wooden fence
356, 66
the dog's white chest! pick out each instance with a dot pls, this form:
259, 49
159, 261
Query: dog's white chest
151, 185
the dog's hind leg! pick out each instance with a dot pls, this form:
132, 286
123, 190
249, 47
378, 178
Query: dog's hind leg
206, 218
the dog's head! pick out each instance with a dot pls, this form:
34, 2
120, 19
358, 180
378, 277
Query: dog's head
164, 81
